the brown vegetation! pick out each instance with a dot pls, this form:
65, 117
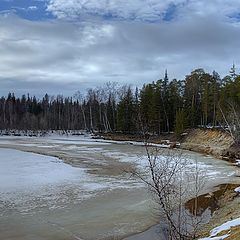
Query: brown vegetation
228, 208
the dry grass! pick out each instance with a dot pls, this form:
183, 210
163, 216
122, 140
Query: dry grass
229, 209
235, 234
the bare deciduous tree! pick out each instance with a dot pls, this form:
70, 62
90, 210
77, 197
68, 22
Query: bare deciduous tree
80, 98
232, 121
172, 180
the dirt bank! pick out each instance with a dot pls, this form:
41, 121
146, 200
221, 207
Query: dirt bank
233, 152
171, 137
213, 142
228, 208
223, 201
207, 141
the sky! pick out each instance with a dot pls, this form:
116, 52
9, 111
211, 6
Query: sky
62, 46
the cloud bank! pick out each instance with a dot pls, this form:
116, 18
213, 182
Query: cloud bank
144, 10
134, 45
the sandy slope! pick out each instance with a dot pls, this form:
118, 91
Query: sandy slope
207, 141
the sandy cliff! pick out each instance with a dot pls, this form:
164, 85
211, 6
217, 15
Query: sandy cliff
213, 142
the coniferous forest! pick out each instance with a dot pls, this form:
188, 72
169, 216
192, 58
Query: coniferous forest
201, 99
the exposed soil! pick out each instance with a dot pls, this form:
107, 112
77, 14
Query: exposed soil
207, 141
233, 152
162, 139
213, 142
228, 208
223, 202
212, 200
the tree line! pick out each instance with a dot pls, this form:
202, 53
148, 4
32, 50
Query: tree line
201, 99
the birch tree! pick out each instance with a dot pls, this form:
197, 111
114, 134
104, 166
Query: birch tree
172, 180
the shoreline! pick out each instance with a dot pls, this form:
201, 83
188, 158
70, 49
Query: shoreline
132, 236
149, 230
215, 196
229, 154
210, 142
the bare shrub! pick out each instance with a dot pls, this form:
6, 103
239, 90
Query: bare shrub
172, 180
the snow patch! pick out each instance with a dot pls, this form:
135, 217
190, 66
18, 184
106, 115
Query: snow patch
237, 189
216, 238
237, 162
20, 170
224, 227
30, 182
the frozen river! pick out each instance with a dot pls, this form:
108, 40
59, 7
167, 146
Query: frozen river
65, 188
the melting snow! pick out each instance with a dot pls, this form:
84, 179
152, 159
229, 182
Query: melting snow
20, 170
237, 189
29, 181
238, 162
224, 227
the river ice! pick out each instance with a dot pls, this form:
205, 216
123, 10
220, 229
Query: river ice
20, 170
31, 181
41, 197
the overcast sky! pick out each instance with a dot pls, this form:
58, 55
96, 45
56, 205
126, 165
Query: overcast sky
61, 46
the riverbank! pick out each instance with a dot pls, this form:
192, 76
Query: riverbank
223, 201
228, 211
212, 142
223, 204
100, 159
97, 201
215, 142
206, 141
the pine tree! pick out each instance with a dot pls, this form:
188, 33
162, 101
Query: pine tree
232, 72
125, 118
180, 122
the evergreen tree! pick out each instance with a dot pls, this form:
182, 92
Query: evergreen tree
125, 119
161, 106
180, 122
192, 97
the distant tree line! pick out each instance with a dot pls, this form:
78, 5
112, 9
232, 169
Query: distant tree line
201, 99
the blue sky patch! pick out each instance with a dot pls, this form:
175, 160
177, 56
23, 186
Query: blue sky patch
29, 9
235, 17
170, 13
36, 10
40, 10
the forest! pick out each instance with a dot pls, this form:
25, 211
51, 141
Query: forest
163, 106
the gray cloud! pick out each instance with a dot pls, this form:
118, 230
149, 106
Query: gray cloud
149, 10
143, 10
63, 57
